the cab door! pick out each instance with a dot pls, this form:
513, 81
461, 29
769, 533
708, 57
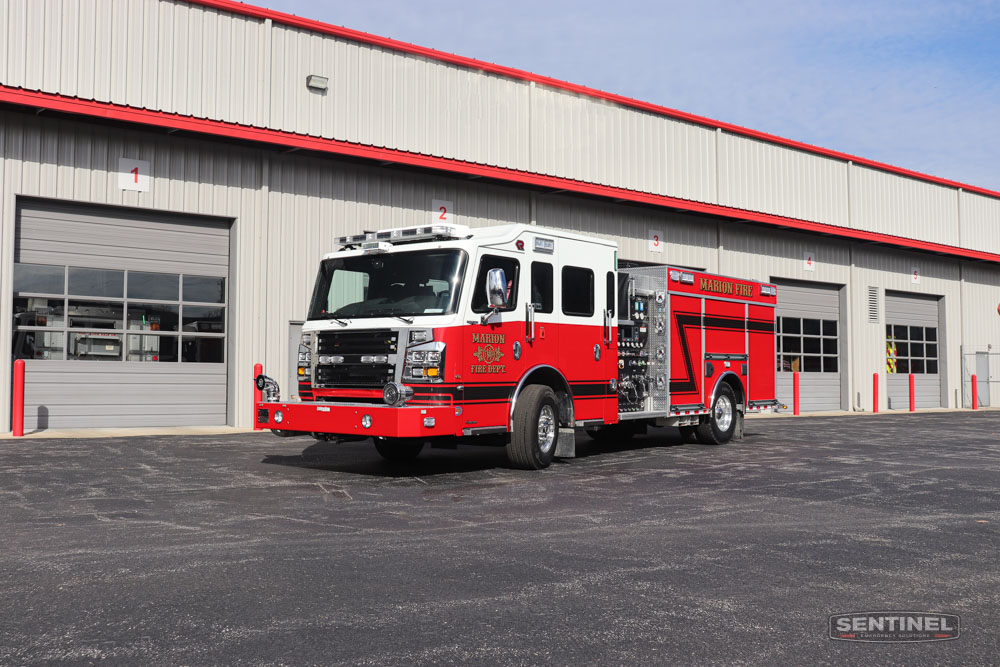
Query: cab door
493, 352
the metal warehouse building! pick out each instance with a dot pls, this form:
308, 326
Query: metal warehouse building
171, 171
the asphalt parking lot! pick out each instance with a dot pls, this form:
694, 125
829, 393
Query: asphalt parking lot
254, 549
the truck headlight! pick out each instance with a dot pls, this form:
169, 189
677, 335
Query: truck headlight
425, 362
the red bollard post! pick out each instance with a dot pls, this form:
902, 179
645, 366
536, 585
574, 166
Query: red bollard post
874, 392
17, 418
913, 392
258, 395
975, 393
795, 393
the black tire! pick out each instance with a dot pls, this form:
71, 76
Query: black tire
611, 433
688, 433
535, 436
398, 449
709, 431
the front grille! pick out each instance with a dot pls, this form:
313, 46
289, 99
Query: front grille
352, 345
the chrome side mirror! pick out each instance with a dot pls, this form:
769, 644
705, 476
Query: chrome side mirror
496, 288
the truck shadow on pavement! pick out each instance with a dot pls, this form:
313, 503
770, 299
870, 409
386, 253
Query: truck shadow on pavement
360, 458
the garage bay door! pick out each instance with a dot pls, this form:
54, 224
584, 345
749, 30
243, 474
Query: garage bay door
121, 316
911, 344
809, 330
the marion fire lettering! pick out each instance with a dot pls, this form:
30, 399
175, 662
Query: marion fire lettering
726, 287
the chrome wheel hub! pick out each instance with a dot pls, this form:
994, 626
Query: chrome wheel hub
723, 413
546, 428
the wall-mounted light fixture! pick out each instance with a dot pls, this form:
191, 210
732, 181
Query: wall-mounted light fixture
316, 82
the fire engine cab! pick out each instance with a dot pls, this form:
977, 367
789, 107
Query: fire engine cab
517, 335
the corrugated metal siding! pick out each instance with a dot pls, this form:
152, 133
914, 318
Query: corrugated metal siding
890, 204
153, 54
980, 218
584, 139
980, 300
758, 176
763, 254
384, 98
687, 240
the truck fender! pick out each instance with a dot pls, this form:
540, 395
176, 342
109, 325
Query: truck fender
741, 396
550, 377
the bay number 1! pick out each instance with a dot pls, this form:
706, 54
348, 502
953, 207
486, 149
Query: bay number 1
133, 174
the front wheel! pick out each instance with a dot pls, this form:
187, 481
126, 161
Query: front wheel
398, 449
536, 429
720, 425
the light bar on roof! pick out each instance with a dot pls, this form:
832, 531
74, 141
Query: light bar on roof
407, 234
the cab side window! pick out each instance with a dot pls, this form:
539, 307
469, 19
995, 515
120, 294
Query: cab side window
577, 291
541, 287
511, 268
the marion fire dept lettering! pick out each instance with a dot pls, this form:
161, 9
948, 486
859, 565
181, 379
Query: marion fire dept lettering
726, 287
487, 354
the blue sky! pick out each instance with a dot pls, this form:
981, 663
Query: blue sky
914, 83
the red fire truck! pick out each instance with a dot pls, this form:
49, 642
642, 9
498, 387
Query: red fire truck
518, 335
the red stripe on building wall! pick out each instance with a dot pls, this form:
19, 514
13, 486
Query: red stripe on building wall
126, 114
472, 63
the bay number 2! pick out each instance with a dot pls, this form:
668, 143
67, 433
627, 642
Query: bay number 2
442, 211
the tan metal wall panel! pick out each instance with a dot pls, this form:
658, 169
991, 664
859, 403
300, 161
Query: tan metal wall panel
383, 98
890, 204
578, 137
980, 300
980, 219
153, 54
687, 240
758, 176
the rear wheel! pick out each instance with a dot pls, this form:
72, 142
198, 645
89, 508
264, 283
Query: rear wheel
398, 449
536, 429
720, 424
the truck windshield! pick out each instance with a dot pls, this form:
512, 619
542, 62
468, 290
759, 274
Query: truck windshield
424, 282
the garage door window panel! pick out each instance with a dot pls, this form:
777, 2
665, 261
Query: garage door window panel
204, 289
39, 279
37, 311
152, 348
153, 286
95, 346
202, 349
96, 282
153, 316
207, 319
87, 314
